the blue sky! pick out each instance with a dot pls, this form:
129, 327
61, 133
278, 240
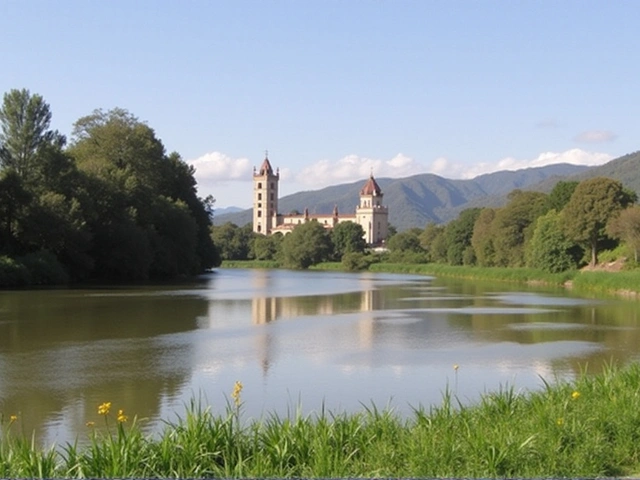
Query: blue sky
336, 89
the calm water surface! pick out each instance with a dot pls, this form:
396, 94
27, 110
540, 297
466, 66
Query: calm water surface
294, 339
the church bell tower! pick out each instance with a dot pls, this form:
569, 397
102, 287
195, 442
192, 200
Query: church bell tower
265, 197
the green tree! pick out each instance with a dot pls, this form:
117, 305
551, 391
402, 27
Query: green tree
347, 237
407, 241
308, 244
513, 225
265, 247
626, 227
432, 240
561, 194
137, 192
549, 248
233, 242
24, 132
458, 234
593, 203
482, 238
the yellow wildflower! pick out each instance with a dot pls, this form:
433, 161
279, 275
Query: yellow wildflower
121, 416
91, 424
13, 418
456, 367
575, 395
104, 408
237, 390
560, 421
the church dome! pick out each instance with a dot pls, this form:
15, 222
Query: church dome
371, 188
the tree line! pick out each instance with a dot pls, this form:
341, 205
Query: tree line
554, 232
110, 204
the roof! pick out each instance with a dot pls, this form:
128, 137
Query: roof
265, 168
371, 187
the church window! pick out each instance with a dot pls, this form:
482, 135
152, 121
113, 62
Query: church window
259, 205
272, 197
259, 196
259, 213
259, 228
259, 184
271, 184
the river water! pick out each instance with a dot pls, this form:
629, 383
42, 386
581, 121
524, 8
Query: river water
296, 340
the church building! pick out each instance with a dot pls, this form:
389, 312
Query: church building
370, 214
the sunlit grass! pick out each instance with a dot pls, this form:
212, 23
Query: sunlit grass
587, 428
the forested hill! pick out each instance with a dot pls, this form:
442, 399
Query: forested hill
420, 199
625, 169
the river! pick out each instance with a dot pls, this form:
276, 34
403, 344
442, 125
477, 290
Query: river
296, 340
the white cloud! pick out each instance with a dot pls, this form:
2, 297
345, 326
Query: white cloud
353, 167
574, 156
595, 136
216, 166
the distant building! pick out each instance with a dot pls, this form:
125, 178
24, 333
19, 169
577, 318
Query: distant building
371, 214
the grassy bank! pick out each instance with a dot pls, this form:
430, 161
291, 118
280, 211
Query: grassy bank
588, 428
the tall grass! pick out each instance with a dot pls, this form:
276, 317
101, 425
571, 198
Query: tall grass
587, 428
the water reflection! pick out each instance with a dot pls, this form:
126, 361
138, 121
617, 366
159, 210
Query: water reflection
317, 337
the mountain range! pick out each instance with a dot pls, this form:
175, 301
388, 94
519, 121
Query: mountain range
417, 200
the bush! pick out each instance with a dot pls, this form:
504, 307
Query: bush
13, 273
354, 261
44, 269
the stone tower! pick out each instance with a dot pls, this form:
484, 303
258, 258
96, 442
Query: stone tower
371, 214
265, 197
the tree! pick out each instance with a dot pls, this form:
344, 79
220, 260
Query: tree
265, 247
139, 191
458, 234
513, 226
308, 244
347, 237
561, 194
24, 131
626, 227
593, 203
482, 238
549, 248
430, 233
233, 242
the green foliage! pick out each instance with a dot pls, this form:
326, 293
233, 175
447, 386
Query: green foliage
561, 194
266, 247
355, 261
234, 243
513, 226
482, 238
44, 268
347, 237
13, 273
549, 249
308, 244
592, 204
626, 227
458, 234
407, 241
24, 132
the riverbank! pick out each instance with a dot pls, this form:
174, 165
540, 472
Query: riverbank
623, 283
587, 428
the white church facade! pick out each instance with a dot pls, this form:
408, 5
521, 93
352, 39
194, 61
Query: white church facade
370, 214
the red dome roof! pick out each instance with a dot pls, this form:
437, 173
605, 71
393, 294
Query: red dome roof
371, 188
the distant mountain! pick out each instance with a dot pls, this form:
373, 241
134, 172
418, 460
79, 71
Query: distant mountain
226, 210
417, 200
